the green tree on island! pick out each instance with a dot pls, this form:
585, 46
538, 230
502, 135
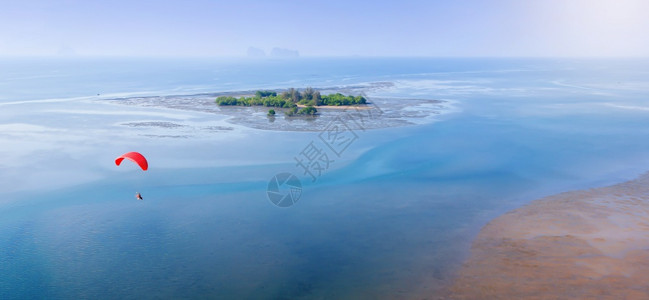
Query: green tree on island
262, 94
317, 99
309, 110
271, 113
291, 98
291, 112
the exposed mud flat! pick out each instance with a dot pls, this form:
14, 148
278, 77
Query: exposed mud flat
590, 244
154, 124
379, 113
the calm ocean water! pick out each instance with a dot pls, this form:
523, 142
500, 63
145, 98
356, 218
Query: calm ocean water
393, 216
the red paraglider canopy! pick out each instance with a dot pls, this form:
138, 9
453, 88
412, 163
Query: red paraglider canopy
135, 157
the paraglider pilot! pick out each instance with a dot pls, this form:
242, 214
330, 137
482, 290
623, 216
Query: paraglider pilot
137, 158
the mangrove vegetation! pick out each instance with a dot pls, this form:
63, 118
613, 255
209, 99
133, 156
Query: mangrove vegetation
291, 98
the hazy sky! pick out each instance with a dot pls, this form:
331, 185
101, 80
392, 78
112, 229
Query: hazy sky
326, 28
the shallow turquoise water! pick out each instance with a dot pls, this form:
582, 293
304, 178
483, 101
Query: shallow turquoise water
393, 216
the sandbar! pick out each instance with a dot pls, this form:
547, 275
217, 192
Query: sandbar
588, 244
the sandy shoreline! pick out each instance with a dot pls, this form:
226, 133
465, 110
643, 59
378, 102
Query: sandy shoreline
590, 244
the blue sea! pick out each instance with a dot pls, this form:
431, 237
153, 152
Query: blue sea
392, 215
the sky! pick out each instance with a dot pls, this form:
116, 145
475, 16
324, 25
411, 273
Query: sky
210, 28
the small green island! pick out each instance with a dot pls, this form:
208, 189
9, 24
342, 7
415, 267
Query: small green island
291, 99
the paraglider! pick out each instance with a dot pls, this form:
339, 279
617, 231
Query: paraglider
136, 158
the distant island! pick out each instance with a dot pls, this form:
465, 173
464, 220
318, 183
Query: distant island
290, 99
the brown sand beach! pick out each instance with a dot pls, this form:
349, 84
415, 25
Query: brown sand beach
590, 244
